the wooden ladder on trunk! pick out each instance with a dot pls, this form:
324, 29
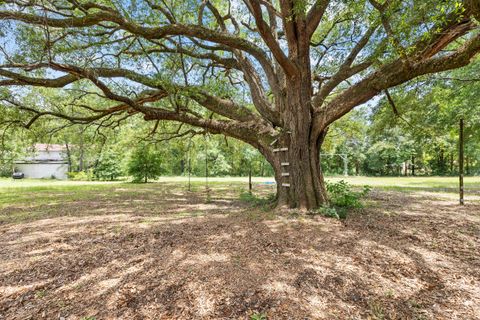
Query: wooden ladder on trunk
283, 163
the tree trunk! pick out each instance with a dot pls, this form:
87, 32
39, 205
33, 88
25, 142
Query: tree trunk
295, 157
299, 177
413, 165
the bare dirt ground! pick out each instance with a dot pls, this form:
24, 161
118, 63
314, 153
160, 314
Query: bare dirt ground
167, 254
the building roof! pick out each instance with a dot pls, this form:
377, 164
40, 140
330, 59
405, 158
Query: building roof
49, 147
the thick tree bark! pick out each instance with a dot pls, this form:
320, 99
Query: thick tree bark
295, 156
298, 174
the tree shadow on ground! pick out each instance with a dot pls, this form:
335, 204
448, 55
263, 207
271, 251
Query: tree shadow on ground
404, 257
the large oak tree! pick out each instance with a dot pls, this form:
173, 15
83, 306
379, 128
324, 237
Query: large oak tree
272, 73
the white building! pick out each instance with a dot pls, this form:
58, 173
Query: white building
47, 161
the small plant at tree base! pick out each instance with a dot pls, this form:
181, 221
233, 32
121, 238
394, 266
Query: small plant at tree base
342, 198
376, 311
144, 164
327, 211
342, 195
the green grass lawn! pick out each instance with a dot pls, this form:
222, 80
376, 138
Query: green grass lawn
411, 183
33, 192
400, 183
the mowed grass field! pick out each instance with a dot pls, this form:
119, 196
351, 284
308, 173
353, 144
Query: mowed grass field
23, 189
381, 182
41, 195
118, 250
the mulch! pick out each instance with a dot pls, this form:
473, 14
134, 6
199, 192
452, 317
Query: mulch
405, 256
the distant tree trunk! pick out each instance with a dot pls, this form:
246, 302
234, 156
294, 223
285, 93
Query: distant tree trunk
182, 166
441, 162
80, 159
413, 165
451, 163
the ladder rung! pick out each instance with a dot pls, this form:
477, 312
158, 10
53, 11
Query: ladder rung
286, 185
284, 164
280, 149
274, 141
285, 174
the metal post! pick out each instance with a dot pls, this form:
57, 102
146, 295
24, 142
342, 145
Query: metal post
250, 179
206, 167
189, 164
189, 173
460, 163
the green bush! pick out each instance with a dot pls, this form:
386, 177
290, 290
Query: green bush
342, 198
5, 170
82, 175
341, 195
109, 166
328, 211
145, 163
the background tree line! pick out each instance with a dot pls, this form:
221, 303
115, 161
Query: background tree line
421, 126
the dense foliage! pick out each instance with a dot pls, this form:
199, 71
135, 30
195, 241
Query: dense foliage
375, 140
145, 163
419, 132
108, 166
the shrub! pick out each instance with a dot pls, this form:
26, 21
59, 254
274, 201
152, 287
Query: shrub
328, 211
108, 167
342, 198
342, 195
5, 170
82, 175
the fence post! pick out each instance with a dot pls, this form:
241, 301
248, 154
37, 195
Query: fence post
460, 163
